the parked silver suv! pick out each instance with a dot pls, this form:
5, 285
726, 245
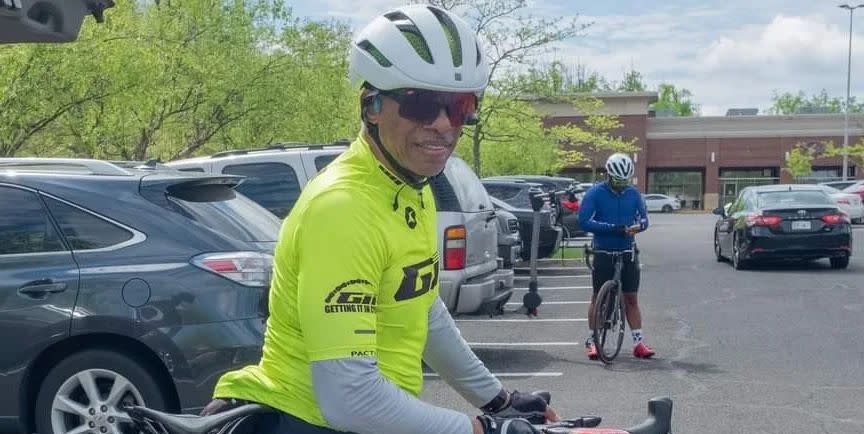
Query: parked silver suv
472, 279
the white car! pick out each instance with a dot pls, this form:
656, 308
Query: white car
850, 203
661, 202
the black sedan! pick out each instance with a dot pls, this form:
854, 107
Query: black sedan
782, 222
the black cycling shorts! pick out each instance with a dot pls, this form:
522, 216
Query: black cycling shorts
604, 270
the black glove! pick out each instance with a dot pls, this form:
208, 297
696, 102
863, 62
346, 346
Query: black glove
526, 406
497, 425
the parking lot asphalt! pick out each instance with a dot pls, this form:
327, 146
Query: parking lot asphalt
775, 349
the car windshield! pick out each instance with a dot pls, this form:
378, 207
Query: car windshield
774, 199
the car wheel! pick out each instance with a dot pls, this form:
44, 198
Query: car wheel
86, 393
840, 263
737, 262
667, 208
717, 251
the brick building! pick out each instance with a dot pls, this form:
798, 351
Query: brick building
708, 159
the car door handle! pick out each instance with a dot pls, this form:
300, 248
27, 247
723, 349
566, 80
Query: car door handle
39, 288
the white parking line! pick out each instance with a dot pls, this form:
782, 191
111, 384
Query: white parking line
553, 302
571, 276
509, 374
546, 288
525, 320
525, 344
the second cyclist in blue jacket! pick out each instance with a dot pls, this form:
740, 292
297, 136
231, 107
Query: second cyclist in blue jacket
614, 211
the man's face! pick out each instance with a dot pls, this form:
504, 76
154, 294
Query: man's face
421, 147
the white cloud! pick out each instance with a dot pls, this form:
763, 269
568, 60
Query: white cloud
787, 54
790, 43
729, 65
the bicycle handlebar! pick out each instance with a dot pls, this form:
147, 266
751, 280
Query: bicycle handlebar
659, 421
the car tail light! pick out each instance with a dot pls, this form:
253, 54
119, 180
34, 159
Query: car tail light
245, 268
763, 220
835, 219
454, 248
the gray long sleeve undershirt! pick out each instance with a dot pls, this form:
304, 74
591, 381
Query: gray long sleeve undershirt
449, 355
353, 395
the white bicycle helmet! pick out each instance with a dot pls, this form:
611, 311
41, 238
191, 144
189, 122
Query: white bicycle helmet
620, 166
420, 47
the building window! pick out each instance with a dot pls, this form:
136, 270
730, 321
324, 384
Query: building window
826, 174
734, 180
685, 185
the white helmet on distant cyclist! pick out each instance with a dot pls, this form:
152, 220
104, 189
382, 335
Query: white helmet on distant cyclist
620, 166
420, 47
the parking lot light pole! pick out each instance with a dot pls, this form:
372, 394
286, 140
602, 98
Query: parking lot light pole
848, 87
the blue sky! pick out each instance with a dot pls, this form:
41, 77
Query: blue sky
731, 53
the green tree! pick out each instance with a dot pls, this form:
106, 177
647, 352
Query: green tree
677, 100
40, 83
594, 136
800, 162
175, 79
787, 103
854, 151
516, 141
633, 82
556, 79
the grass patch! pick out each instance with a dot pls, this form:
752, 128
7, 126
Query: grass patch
568, 253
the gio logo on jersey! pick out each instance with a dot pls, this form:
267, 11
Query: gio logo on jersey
419, 279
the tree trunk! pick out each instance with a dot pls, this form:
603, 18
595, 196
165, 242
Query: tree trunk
476, 140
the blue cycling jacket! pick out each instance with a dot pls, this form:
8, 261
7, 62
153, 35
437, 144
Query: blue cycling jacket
602, 209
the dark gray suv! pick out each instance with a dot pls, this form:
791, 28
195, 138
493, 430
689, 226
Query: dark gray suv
122, 285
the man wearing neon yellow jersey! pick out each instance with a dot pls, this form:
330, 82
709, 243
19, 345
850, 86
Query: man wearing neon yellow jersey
354, 306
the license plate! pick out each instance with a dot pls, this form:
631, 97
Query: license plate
803, 225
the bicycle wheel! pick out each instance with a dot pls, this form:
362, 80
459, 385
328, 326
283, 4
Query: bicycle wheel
609, 321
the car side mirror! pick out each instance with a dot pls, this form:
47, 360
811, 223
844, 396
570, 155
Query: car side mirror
720, 211
47, 21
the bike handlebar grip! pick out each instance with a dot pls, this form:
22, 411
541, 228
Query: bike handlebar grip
659, 418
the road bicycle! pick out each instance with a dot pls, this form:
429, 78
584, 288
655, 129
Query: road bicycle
609, 317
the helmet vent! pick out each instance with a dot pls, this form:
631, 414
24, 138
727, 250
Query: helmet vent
367, 46
452, 35
412, 34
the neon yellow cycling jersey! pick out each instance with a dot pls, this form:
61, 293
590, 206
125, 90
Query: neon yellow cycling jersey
355, 274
